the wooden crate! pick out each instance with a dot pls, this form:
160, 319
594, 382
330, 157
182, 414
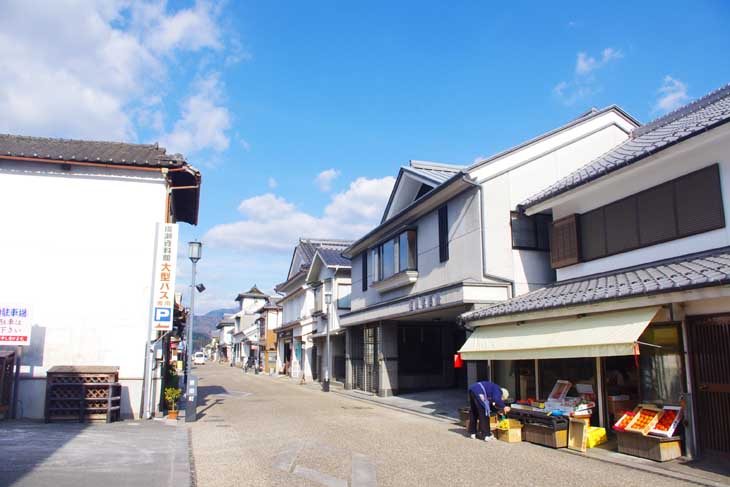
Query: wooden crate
83, 393
651, 447
544, 435
513, 434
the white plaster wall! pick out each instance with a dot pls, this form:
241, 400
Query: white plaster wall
81, 247
464, 254
615, 123
687, 157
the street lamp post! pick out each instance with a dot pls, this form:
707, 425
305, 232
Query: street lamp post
194, 253
327, 364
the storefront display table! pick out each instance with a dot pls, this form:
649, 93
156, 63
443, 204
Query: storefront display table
647, 446
541, 428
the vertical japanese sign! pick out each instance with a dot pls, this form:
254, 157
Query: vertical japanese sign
163, 290
14, 324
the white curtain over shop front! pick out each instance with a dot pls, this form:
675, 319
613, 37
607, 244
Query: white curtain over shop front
599, 335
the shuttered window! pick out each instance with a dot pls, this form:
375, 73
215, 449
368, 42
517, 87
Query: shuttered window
657, 219
699, 202
564, 242
530, 232
365, 271
592, 235
443, 215
682, 207
622, 227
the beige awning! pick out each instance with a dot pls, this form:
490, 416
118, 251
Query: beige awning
600, 335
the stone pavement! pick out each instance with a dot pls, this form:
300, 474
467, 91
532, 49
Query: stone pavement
260, 431
128, 453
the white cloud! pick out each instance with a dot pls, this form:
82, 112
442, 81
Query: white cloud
272, 183
584, 83
94, 69
204, 120
585, 64
325, 178
672, 95
274, 225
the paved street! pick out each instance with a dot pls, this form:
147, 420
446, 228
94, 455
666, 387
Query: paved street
259, 431
125, 454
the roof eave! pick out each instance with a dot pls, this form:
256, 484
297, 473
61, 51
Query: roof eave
423, 202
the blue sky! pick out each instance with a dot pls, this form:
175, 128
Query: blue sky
266, 96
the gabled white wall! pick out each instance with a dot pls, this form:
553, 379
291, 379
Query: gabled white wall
686, 157
79, 249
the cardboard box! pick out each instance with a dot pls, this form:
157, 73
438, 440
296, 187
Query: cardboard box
510, 435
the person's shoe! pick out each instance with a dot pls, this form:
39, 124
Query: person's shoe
488, 438
473, 436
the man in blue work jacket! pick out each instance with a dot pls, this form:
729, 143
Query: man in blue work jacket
484, 397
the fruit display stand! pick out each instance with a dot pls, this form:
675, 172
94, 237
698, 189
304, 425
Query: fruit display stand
647, 446
634, 438
541, 428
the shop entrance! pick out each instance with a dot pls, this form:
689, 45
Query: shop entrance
709, 349
364, 358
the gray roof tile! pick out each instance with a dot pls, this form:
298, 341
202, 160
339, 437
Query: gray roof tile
709, 268
333, 257
686, 122
88, 151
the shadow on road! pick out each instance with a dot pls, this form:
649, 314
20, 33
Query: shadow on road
206, 400
24, 445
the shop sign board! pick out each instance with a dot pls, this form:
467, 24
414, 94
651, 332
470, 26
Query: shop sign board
163, 289
424, 302
15, 324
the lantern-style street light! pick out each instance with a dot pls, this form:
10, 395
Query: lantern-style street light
195, 252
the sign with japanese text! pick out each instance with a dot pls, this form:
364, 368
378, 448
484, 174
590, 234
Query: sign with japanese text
163, 290
14, 324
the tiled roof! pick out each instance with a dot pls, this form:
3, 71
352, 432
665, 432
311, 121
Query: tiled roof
435, 172
686, 122
704, 269
333, 257
310, 245
88, 151
254, 292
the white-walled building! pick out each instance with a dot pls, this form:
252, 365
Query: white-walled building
329, 279
641, 248
80, 221
449, 242
245, 332
226, 329
294, 336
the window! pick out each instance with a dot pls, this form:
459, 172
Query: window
398, 254
530, 232
443, 213
364, 271
407, 251
375, 264
387, 259
682, 207
343, 296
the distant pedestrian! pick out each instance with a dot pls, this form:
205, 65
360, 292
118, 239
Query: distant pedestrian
485, 397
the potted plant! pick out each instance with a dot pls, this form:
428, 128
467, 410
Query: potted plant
172, 394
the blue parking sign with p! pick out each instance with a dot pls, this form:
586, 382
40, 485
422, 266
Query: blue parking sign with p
163, 314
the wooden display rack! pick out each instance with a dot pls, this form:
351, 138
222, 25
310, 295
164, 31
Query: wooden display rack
647, 446
83, 393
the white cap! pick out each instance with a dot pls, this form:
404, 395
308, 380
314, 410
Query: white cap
505, 393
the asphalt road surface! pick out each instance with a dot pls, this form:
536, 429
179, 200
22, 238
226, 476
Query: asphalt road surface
260, 431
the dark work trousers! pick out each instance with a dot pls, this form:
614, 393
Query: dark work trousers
477, 411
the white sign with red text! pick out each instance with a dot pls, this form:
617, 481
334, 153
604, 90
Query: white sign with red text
163, 290
15, 324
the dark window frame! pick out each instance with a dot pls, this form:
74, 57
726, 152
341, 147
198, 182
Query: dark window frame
443, 233
396, 239
635, 196
534, 220
365, 270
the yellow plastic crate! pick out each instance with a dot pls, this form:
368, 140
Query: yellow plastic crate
596, 436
